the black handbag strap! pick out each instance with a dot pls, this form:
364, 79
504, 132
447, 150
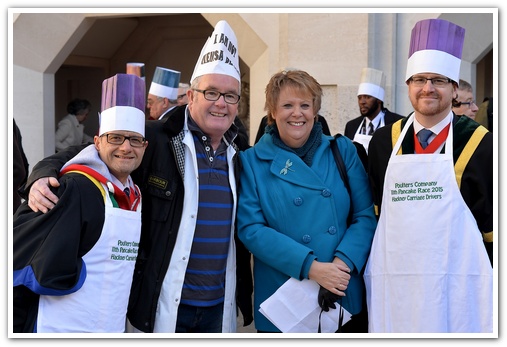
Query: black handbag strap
345, 178
343, 172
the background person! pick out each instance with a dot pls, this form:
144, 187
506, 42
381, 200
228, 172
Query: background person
163, 93
370, 98
70, 130
182, 93
289, 178
484, 115
464, 104
20, 169
69, 272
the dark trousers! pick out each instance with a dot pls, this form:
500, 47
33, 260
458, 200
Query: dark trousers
193, 319
358, 323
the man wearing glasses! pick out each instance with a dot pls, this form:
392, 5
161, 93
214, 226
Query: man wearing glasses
190, 269
429, 270
182, 93
465, 104
73, 266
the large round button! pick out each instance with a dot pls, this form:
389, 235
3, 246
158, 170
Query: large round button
298, 201
307, 238
326, 193
332, 230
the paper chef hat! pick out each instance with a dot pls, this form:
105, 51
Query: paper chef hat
436, 46
123, 104
165, 83
372, 83
219, 54
136, 69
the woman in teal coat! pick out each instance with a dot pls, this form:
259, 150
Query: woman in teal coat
293, 204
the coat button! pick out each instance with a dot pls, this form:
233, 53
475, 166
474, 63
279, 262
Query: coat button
307, 238
326, 193
167, 193
332, 230
298, 201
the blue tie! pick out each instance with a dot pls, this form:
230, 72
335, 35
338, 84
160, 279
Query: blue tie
423, 136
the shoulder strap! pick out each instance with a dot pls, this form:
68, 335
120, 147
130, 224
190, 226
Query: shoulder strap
93, 179
343, 172
468, 151
118, 194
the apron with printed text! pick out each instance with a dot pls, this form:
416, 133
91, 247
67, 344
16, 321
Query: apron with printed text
428, 270
100, 305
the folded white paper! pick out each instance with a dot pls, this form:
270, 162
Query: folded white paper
293, 308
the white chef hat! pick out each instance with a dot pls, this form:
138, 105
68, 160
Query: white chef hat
436, 46
123, 104
372, 83
165, 83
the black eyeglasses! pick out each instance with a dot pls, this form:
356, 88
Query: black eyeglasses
117, 139
468, 103
181, 96
213, 95
438, 82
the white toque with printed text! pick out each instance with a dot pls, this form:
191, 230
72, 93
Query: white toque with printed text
219, 54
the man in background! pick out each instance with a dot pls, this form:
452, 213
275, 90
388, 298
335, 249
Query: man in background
20, 162
464, 104
163, 93
370, 98
182, 93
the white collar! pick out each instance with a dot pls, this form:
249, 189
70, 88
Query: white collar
437, 128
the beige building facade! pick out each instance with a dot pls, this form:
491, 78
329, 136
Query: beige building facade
57, 56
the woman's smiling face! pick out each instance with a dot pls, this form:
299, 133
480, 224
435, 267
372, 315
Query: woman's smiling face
294, 116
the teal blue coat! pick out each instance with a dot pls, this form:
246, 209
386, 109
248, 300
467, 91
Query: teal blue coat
290, 214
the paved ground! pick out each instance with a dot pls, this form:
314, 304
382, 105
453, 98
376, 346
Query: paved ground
247, 329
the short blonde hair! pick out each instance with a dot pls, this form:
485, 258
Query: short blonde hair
298, 80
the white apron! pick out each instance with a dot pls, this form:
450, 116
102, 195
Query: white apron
428, 270
100, 305
362, 138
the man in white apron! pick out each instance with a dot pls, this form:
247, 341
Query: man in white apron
429, 270
370, 98
73, 266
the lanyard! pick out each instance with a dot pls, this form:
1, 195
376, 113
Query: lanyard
435, 144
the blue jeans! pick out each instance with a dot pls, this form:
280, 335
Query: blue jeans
193, 319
